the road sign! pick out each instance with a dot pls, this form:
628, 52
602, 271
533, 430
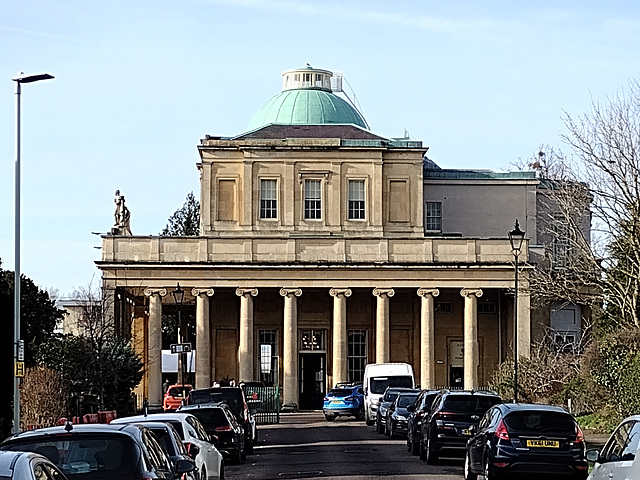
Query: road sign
21, 350
19, 369
180, 347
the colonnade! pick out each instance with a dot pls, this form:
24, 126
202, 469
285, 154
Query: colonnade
340, 337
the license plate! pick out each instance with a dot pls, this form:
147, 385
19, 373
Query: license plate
337, 402
543, 443
466, 431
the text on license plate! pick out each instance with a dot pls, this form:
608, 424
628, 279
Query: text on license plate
466, 431
336, 401
543, 443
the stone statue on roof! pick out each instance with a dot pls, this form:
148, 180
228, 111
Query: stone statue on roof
122, 215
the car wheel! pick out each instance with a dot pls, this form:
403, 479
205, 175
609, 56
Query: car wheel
415, 448
468, 474
370, 422
386, 431
222, 472
431, 453
409, 446
249, 447
379, 428
330, 418
422, 450
489, 474
237, 457
360, 414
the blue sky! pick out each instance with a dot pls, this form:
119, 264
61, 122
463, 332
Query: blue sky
139, 83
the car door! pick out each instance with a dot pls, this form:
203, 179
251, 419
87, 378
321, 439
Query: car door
207, 449
477, 443
619, 454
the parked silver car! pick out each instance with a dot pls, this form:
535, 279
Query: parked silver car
619, 458
28, 466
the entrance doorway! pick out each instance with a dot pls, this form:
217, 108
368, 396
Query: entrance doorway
312, 380
456, 364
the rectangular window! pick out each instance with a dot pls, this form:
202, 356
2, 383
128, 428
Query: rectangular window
268, 199
312, 340
268, 351
443, 307
486, 307
356, 354
356, 200
312, 200
433, 216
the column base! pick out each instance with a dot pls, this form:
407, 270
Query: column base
289, 408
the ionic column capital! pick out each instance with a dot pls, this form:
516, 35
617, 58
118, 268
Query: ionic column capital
334, 292
423, 292
389, 292
285, 292
155, 291
466, 292
243, 291
196, 292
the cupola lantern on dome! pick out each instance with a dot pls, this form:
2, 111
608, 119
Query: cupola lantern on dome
307, 98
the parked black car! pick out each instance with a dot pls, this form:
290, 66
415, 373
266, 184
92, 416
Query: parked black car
398, 414
221, 424
104, 452
516, 438
452, 414
417, 413
386, 400
235, 398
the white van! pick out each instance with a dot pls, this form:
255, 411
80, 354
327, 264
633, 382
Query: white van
379, 376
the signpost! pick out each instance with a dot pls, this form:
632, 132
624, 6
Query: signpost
181, 349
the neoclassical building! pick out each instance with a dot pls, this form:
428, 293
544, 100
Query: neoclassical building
323, 247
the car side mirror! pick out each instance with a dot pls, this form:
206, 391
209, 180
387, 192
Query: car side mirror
184, 466
192, 449
473, 429
411, 408
593, 455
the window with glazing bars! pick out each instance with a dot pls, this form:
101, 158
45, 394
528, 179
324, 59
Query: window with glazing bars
356, 354
312, 200
268, 351
356, 200
268, 199
433, 216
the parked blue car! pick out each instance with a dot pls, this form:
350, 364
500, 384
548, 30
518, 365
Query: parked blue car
344, 399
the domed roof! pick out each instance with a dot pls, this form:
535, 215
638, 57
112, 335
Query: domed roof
307, 99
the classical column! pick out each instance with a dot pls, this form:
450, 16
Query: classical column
471, 296
290, 347
340, 341
203, 337
245, 349
154, 348
427, 337
382, 323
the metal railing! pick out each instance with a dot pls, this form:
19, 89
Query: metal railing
264, 402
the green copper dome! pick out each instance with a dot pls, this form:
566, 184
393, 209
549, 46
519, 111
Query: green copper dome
307, 99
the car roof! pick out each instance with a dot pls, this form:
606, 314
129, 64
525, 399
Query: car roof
79, 428
204, 406
8, 459
152, 417
531, 407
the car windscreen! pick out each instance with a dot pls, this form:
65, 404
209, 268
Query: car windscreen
470, 403
405, 400
339, 392
380, 384
539, 422
179, 392
165, 439
94, 456
231, 397
210, 417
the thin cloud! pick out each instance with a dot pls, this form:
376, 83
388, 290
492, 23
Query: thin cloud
33, 33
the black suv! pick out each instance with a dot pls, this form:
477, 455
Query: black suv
517, 438
104, 452
418, 412
452, 414
235, 398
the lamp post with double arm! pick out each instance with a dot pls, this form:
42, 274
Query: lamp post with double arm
178, 296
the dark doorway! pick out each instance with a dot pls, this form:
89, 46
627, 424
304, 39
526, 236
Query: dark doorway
312, 380
456, 378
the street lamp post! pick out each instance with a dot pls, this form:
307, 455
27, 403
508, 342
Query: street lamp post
18, 353
178, 296
516, 237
